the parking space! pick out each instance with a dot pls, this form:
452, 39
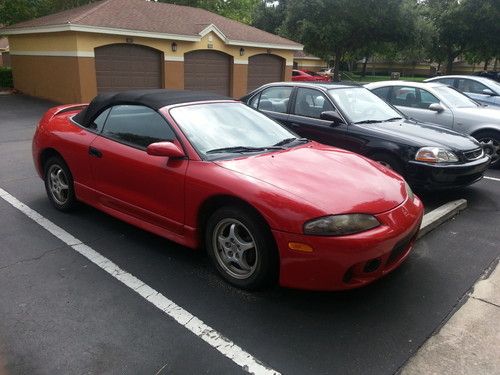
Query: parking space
62, 314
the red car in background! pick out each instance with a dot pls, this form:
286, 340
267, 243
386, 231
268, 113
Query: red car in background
308, 76
207, 171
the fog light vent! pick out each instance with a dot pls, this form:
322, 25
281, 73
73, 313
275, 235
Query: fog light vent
372, 265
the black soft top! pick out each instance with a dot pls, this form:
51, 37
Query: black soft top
154, 99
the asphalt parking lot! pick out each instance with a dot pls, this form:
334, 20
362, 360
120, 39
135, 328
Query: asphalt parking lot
61, 314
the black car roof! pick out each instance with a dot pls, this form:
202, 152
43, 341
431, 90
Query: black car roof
154, 99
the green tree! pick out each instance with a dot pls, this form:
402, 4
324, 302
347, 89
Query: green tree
270, 15
452, 26
340, 27
14, 11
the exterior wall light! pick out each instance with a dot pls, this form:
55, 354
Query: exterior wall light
174, 47
242, 51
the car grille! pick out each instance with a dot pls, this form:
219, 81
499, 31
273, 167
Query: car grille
474, 154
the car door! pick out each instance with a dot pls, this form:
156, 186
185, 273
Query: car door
305, 119
414, 102
129, 180
474, 90
273, 101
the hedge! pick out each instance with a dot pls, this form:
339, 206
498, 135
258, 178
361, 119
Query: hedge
5, 77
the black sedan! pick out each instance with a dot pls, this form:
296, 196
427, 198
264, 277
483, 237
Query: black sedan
353, 118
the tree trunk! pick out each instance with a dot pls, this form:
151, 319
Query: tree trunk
486, 63
336, 66
496, 64
438, 70
363, 72
449, 64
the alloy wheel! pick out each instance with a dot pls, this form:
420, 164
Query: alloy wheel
235, 248
58, 184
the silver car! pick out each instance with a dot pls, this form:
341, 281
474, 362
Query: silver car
444, 106
481, 89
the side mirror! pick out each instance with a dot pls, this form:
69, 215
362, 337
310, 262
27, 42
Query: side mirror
166, 149
332, 116
436, 107
488, 92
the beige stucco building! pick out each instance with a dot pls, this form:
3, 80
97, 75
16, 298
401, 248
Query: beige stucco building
115, 45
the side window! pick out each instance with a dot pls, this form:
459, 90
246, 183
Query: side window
468, 85
310, 103
255, 101
426, 99
404, 96
382, 92
275, 99
99, 121
295, 73
137, 126
446, 81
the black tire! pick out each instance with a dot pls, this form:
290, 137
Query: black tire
490, 140
65, 200
263, 258
388, 161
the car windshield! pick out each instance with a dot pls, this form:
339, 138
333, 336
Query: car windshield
219, 129
454, 98
362, 106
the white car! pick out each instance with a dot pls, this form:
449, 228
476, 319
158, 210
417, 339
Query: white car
444, 106
481, 89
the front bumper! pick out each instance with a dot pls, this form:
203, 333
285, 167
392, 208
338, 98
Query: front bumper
347, 262
427, 176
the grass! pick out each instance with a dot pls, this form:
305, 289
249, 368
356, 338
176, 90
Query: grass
371, 78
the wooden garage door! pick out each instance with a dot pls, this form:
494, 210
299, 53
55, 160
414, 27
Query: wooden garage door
127, 67
207, 71
264, 69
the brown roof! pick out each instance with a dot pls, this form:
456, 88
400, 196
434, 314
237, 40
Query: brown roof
150, 16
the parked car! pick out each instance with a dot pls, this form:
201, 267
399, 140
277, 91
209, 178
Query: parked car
442, 105
202, 169
483, 90
327, 72
494, 75
353, 118
299, 75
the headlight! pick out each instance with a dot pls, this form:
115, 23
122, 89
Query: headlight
340, 225
409, 192
435, 155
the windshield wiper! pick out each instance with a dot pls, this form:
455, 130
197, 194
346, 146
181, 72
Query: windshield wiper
393, 119
238, 149
368, 122
290, 140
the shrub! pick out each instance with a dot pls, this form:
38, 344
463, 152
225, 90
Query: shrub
5, 77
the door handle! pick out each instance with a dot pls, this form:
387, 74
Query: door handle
95, 152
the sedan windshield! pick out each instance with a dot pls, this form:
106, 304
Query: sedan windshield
454, 98
362, 106
231, 128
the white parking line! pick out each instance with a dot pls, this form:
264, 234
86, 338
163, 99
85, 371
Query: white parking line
492, 178
183, 317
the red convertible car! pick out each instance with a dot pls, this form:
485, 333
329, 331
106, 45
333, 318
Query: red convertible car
209, 172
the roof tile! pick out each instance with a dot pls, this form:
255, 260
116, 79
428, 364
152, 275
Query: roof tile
150, 16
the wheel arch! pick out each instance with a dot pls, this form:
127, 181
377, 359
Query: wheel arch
211, 204
486, 128
45, 155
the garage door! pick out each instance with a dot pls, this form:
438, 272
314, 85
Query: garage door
127, 67
264, 69
207, 71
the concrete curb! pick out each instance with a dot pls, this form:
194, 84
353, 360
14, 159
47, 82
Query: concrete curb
441, 214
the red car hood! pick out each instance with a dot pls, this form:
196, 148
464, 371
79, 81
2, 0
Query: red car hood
331, 179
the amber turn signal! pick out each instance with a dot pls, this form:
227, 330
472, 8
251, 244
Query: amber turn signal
298, 246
